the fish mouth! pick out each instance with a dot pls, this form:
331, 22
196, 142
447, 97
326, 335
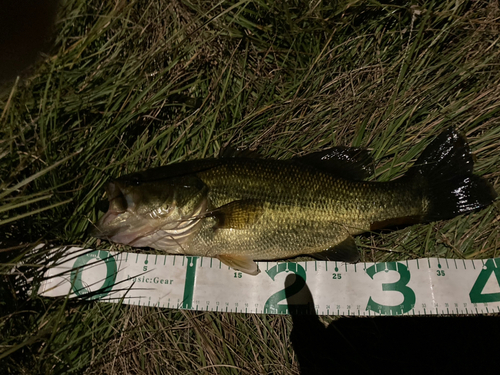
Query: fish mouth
108, 225
120, 223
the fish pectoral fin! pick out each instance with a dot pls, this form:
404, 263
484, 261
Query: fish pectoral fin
240, 263
353, 163
240, 214
346, 251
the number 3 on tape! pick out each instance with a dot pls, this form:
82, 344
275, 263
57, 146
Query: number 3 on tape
398, 286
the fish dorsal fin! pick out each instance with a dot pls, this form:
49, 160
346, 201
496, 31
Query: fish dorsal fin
240, 214
240, 263
347, 162
346, 251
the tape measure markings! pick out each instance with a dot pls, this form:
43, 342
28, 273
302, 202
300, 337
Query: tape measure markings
194, 283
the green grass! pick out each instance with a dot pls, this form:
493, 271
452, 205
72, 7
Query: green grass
133, 85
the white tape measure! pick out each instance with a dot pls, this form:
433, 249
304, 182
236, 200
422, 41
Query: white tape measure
415, 287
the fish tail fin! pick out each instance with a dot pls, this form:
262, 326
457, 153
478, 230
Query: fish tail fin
444, 170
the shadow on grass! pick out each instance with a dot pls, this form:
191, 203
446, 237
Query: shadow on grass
390, 345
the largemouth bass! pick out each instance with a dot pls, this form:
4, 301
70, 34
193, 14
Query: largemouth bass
243, 209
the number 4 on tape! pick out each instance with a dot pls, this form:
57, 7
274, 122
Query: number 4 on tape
476, 294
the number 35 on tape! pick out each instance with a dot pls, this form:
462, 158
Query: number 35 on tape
414, 287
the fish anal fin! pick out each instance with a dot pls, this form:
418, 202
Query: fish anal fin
346, 251
240, 214
240, 263
347, 162
405, 220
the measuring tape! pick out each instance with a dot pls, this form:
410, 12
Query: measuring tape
429, 286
